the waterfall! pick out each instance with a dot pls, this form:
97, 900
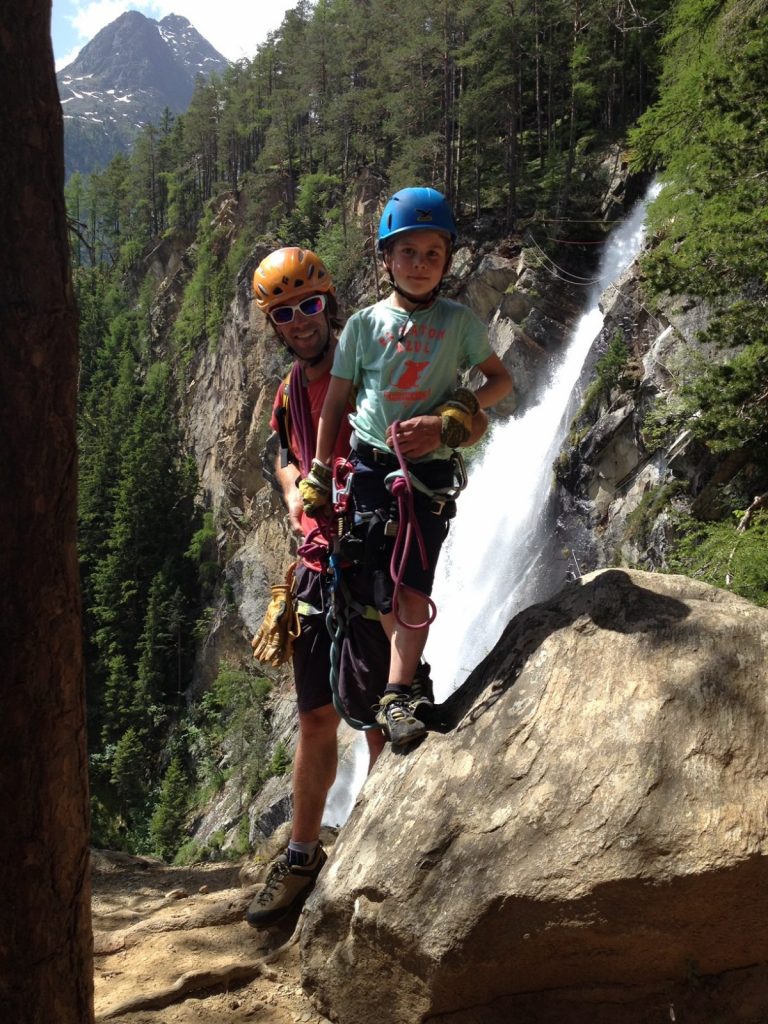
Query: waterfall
502, 553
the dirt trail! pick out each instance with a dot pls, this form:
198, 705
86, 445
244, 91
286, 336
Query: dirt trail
171, 947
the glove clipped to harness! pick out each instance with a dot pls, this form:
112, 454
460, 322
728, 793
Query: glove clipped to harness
315, 488
456, 417
273, 643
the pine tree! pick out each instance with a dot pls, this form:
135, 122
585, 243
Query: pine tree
167, 826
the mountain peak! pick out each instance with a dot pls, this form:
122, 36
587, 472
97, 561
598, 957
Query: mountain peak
124, 78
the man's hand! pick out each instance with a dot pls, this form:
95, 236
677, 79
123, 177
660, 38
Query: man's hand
295, 508
315, 489
416, 437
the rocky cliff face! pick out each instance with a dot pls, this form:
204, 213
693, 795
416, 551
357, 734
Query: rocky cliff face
617, 487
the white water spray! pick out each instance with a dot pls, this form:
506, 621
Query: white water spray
500, 555
352, 770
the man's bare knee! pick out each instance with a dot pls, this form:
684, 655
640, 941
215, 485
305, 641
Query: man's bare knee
319, 722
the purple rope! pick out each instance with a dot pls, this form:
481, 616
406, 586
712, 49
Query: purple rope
301, 419
408, 528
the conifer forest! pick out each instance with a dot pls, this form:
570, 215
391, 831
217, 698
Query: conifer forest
505, 106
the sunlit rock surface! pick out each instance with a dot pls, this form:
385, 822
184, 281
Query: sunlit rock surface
590, 837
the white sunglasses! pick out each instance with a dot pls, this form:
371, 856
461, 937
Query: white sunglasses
310, 306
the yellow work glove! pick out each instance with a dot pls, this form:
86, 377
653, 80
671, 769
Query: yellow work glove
315, 488
456, 417
273, 643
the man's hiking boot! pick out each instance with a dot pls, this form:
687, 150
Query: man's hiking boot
286, 887
398, 721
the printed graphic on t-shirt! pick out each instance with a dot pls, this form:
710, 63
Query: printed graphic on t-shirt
420, 339
403, 365
407, 381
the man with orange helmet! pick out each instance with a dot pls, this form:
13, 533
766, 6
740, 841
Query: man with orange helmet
293, 288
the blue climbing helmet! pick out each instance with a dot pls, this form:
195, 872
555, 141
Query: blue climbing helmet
412, 208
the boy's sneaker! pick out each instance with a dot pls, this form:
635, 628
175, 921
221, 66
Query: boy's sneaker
422, 699
398, 721
286, 887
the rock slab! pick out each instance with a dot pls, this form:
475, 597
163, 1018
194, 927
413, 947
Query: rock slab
587, 843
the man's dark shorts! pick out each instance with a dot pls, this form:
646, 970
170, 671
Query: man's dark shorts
364, 654
370, 493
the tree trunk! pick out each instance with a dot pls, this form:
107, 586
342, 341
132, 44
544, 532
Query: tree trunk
45, 930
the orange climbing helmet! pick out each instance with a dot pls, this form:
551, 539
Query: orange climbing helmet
287, 275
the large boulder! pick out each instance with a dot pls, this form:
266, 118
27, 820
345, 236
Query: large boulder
587, 843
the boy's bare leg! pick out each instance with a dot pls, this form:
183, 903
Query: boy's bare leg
376, 742
406, 645
395, 714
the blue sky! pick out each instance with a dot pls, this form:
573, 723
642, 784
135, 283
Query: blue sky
233, 27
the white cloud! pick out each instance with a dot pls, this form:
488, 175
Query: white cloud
90, 18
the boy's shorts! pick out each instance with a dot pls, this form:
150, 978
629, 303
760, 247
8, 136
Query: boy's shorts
363, 658
370, 494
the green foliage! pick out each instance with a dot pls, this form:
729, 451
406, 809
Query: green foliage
190, 852
716, 553
610, 371
281, 760
317, 200
652, 503
137, 516
231, 726
209, 290
480, 99
710, 133
203, 553
731, 402
342, 249
167, 826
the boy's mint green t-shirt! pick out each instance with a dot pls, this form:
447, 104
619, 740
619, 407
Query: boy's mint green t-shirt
400, 378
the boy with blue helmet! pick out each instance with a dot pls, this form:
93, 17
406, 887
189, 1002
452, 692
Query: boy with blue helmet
403, 356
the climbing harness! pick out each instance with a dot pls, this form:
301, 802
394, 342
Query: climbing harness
402, 525
402, 484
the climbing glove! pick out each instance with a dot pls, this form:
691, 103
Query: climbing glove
315, 488
456, 417
273, 643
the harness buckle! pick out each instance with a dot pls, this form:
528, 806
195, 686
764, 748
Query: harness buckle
443, 505
459, 472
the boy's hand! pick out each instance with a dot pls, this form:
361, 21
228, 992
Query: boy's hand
417, 436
